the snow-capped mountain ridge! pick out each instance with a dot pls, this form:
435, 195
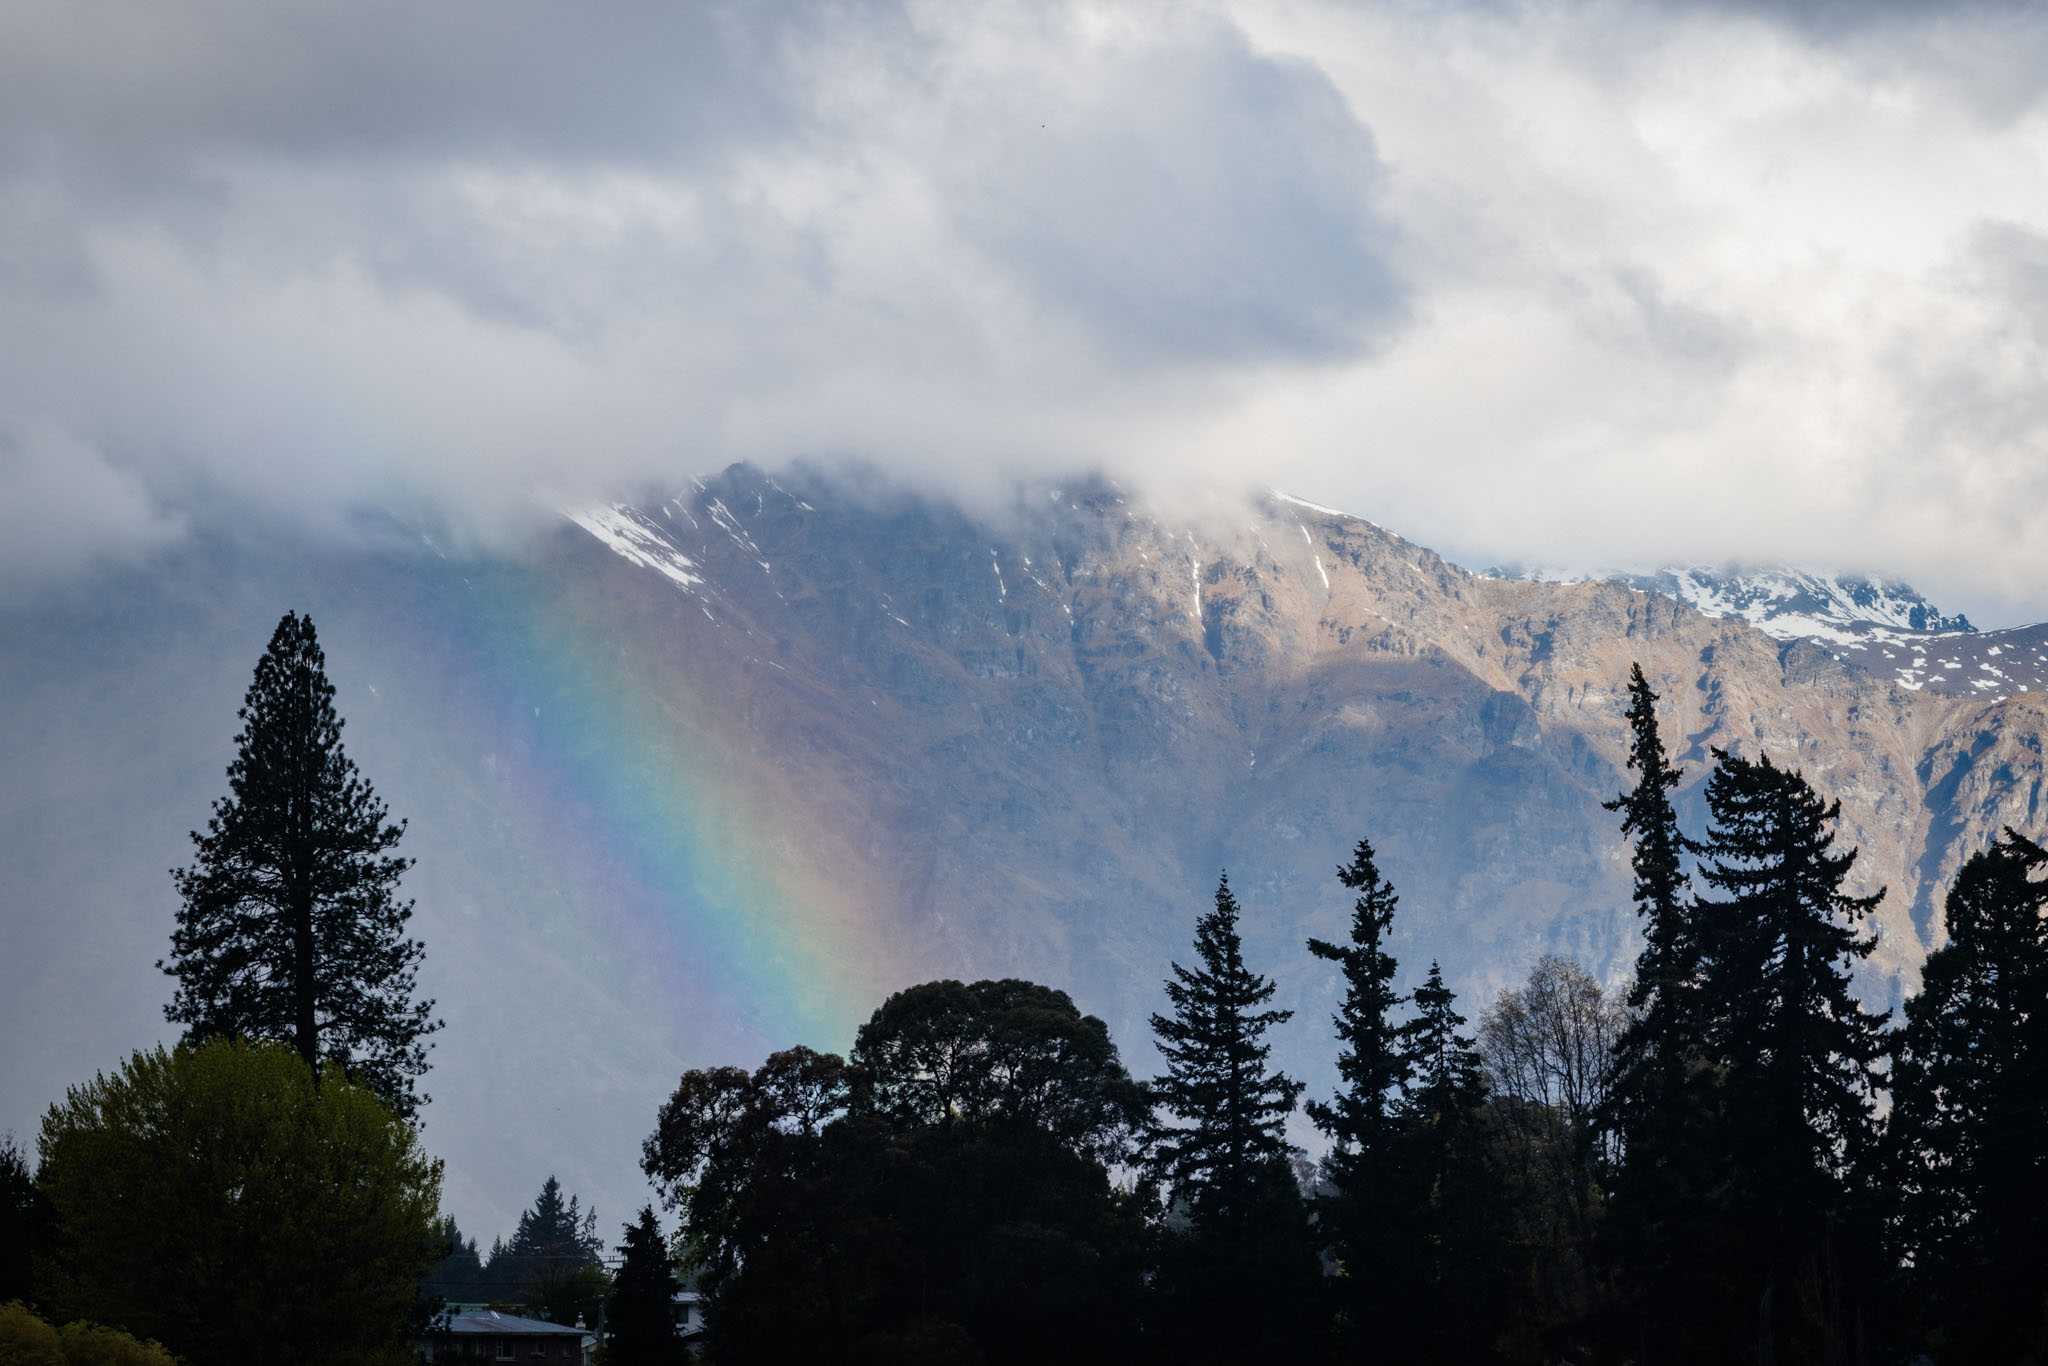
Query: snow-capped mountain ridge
1789, 604
1799, 603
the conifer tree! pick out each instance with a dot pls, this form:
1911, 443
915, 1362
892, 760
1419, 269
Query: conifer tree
1373, 1065
1228, 1163
1969, 1132
1451, 1226
291, 929
1661, 1041
1798, 1054
1233, 1110
640, 1316
553, 1234
1662, 1097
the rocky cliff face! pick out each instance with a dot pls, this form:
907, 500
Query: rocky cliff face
1052, 729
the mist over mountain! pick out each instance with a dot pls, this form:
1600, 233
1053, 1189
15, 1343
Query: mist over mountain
720, 769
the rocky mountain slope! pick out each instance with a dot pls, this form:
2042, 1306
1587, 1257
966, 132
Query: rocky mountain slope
1881, 626
1052, 729
706, 775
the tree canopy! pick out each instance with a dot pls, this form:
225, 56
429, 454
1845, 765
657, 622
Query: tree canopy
291, 928
220, 1201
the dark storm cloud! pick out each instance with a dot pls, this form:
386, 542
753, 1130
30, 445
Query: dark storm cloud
1193, 200
500, 257
634, 82
488, 260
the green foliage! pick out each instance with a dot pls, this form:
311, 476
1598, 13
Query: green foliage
640, 1320
92, 1344
26, 1340
220, 1200
290, 928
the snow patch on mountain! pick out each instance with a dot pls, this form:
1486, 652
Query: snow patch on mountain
1792, 604
1789, 604
634, 536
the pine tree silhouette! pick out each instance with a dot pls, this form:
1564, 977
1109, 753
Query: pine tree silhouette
1360, 1120
1969, 1128
1797, 1051
290, 928
1233, 1109
1450, 1226
1665, 1236
640, 1316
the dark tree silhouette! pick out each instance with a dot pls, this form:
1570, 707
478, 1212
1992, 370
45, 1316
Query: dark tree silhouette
1969, 1132
1798, 1054
946, 1198
640, 1315
1549, 1052
291, 929
554, 1264
24, 1223
1228, 1160
1661, 1043
1452, 1224
1233, 1110
1662, 1104
999, 1052
1373, 1065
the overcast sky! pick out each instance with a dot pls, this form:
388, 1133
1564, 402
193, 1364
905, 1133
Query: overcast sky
1583, 285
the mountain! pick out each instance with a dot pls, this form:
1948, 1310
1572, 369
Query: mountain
1104, 707
1790, 603
706, 774
1879, 626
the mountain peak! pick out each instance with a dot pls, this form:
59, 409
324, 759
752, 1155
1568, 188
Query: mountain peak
1805, 604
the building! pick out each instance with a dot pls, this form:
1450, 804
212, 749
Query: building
483, 1335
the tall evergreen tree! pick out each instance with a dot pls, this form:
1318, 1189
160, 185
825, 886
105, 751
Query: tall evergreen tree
1662, 1039
1373, 1066
1228, 1162
1798, 1052
640, 1315
1969, 1132
1664, 1090
1451, 1222
291, 929
1233, 1110
459, 1275
553, 1266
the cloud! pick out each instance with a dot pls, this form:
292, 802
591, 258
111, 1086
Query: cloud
1600, 284
68, 509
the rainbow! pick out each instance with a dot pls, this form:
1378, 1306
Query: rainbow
713, 873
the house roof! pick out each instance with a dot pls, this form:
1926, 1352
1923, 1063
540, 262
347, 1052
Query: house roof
508, 1325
